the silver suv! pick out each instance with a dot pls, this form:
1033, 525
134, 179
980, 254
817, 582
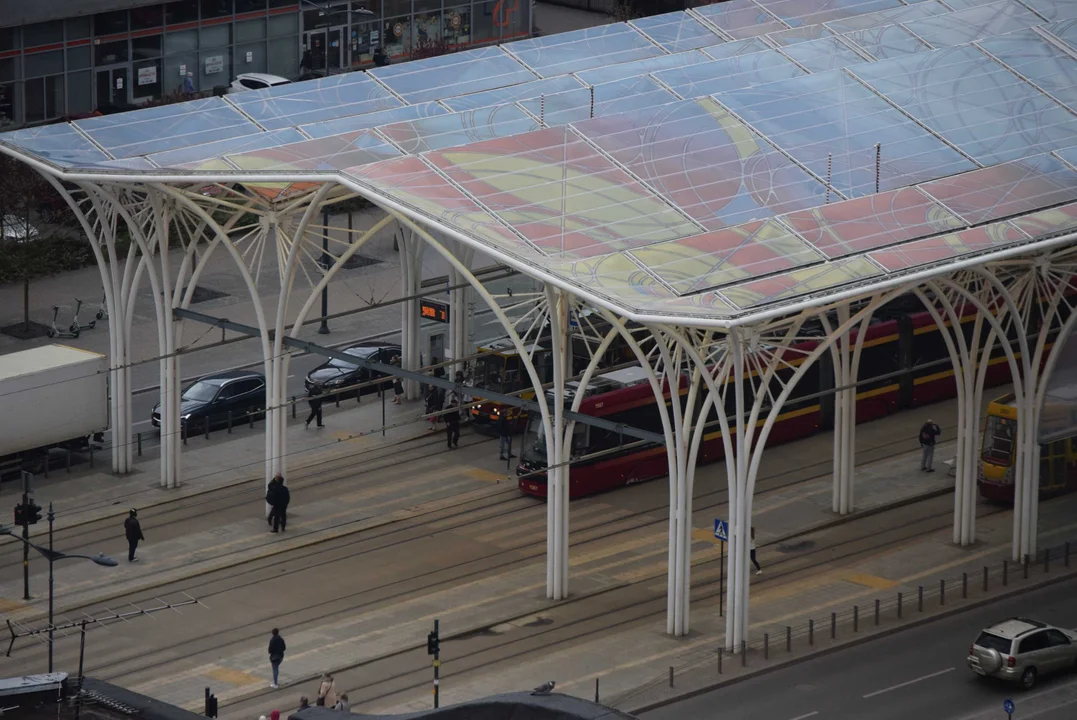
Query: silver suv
1020, 650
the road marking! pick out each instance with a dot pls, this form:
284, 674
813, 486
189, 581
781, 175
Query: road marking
813, 713
484, 475
908, 682
871, 581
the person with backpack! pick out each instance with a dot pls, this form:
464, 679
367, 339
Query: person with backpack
452, 421
928, 433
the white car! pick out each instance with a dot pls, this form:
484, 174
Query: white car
256, 81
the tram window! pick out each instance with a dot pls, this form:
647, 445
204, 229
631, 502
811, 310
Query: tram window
877, 361
998, 440
579, 439
928, 347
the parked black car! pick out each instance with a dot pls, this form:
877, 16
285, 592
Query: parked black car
340, 373
240, 392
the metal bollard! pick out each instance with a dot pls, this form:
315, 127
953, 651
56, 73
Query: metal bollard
942, 592
876, 612
720, 651
856, 618
1005, 573
811, 632
293, 418
250, 419
91, 458
67, 460
1026, 563
207, 427
744, 653
229, 422
138, 438
985, 578
46, 464
671, 676
920, 599
899, 606
1047, 560
788, 639
766, 646
338, 399
833, 625
596, 691
1067, 553
183, 431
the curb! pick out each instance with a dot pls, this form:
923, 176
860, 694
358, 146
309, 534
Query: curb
781, 665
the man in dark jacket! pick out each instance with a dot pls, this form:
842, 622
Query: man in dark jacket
504, 435
133, 531
315, 402
276, 655
452, 421
280, 510
928, 433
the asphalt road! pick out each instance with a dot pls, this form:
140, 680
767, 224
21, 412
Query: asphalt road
913, 674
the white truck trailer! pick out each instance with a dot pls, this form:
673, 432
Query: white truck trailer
50, 397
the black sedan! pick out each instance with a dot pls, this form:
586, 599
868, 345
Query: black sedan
338, 373
239, 392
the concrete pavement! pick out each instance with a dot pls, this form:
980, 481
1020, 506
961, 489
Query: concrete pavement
916, 673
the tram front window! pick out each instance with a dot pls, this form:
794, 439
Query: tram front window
998, 440
533, 450
488, 369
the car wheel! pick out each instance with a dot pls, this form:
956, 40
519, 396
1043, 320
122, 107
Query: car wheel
1028, 678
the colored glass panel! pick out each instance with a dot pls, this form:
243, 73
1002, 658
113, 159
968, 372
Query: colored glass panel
805, 281
1005, 190
615, 276
442, 131
561, 194
61, 144
1065, 30
823, 54
513, 93
324, 99
870, 222
1048, 222
676, 31
930, 251
324, 154
1033, 57
583, 49
890, 16
964, 26
1053, 10
733, 49
741, 18
373, 119
729, 74
974, 103
705, 162
609, 98
830, 120
719, 258
612, 73
205, 151
887, 41
454, 74
801, 34
809, 12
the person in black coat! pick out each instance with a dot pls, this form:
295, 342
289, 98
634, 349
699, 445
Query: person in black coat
315, 403
133, 530
276, 655
280, 514
504, 435
452, 421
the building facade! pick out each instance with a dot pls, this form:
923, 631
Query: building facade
71, 58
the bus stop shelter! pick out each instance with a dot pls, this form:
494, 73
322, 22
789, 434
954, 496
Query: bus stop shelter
708, 183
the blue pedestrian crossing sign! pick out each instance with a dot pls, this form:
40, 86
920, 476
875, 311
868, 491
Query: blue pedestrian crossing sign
721, 530
1008, 707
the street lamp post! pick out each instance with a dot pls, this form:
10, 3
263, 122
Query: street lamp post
323, 329
52, 556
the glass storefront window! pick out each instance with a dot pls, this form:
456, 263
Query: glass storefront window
248, 30
8, 67
516, 19
110, 53
146, 47
395, 36
144, 18
46, 33
282, 3
216, 8
9, 38
44, 98
426, 33
181, 11
457, 26
78, 28
427, 6
9, 110
181, 41
284, 57
251, 58
364, 39
216, 36
78, 57
483, 28
278, 25
46, 63
110, 23
79, 93
146, 80
176, 68
245, 6
214, 68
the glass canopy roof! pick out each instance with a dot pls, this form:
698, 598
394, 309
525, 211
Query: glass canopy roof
701, 164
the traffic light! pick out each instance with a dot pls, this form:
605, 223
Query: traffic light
432, 643
33, 512
19, 514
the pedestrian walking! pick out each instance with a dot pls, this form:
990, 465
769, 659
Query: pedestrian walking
327, 696
281, 498
133, 530
343, 704
432, 406
276, 655
504, 436
272, 492
452, 421
928, 433
751, 554
398, 384
314, 399
188, 85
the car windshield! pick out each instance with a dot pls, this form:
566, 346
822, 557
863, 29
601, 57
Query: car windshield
200, 392
993, 642
363, 352
998, 440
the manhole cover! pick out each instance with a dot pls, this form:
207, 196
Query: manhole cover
796, 546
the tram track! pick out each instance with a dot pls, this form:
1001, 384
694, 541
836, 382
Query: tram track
469, 513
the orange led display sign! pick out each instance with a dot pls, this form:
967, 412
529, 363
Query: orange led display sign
433, 310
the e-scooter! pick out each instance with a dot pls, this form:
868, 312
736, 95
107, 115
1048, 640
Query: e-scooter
75, 326
56, 332
102, 309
